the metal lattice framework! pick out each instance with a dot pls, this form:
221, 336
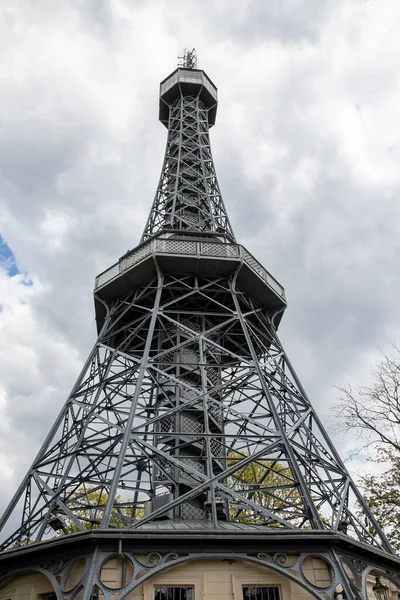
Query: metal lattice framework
188, 197
188, 408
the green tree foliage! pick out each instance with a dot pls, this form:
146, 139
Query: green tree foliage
88, 504
382, 493
267, 483
373, 412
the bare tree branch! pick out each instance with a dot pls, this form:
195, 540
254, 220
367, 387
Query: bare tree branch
373, 413
374, 410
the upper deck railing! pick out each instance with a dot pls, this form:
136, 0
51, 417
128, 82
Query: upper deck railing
188, 76
188, 247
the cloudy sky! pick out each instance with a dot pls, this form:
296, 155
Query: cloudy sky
306, 146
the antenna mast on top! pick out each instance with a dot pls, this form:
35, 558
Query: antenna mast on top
189, 59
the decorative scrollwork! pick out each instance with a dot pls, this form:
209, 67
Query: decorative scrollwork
170, 557
281, 559
154, 559
359, 565
265, 557
53, 567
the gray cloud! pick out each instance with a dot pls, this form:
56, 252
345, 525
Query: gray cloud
291, 22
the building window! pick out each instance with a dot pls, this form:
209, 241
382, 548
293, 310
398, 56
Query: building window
179, 592
260, 592
51, 596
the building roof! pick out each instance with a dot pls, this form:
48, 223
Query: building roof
185, 525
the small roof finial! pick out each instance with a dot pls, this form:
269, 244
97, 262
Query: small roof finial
189, 59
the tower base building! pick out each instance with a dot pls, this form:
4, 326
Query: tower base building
188, 561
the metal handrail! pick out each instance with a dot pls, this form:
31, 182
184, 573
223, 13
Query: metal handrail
164, 245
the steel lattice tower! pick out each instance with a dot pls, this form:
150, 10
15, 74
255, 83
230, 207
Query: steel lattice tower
188, 409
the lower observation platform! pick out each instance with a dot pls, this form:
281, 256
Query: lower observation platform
205, 257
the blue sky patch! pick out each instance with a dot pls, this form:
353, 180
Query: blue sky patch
7, 259
8, 262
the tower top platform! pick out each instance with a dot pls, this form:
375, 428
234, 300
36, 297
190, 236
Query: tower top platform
188, 82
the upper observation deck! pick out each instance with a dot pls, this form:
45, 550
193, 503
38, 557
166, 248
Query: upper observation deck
206, 256
188, 82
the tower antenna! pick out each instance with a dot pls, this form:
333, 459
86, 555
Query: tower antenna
188, 60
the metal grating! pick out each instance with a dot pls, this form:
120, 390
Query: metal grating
167, 469
180, 247
263, 273
189, 511
213, 249
107, 275
216, 448
195, 465
216, 412
190, 426
166, 425
188, 357
135, 257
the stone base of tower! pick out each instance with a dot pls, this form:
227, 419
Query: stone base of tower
196, 565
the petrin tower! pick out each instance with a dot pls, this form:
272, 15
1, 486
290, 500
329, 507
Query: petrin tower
188, 435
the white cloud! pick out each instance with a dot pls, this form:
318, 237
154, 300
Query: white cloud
37, 368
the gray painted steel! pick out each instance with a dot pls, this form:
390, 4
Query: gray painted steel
188, 415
